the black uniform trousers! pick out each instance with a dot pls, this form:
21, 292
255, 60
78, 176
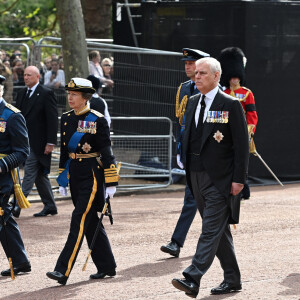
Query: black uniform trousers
186, 218
216, 238
11, 238
84, 186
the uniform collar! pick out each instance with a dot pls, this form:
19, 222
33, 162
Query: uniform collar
83, 111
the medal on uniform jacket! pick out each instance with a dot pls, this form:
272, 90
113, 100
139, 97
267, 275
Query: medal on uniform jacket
218, 136
87, 127
2, 126
217, 116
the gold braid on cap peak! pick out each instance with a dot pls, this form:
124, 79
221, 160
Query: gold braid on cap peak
112, 174
180, 109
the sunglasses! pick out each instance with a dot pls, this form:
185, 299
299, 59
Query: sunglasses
106, 65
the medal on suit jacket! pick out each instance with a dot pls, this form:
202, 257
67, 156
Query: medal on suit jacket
218, 136
217, 116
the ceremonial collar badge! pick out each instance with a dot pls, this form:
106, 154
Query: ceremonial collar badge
218, 136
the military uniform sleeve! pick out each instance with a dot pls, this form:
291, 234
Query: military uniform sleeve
18, 135
250, 109
107, 158
64, 154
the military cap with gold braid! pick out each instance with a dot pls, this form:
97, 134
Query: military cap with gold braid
80, 85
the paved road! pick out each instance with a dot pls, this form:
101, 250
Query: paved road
267, 242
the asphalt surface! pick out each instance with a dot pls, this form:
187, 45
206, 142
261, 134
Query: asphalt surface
267, 243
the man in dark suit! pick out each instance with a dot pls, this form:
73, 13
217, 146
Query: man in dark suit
39, 108
215, 152
189, 208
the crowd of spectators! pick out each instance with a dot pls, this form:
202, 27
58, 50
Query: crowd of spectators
12, 66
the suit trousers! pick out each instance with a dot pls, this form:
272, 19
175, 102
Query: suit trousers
216, 238
34, 173
11, 240
186, 218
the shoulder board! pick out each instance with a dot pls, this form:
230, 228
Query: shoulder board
67, 112
186, 82
246, 89
11, 107
97, 113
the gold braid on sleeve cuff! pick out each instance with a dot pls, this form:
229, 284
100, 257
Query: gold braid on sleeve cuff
112, 174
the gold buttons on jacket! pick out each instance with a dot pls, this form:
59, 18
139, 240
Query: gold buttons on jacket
79, 145
80, 159
64, 144
64, 133
65, 123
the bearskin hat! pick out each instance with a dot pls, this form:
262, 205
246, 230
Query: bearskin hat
233, 62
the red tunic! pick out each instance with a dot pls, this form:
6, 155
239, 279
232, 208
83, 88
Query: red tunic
248, 104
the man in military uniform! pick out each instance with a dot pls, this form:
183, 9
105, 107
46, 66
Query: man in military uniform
233, 62
84, 138
14, 149
189, 208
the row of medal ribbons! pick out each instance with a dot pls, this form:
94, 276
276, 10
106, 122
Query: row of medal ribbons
214, 116
87, 127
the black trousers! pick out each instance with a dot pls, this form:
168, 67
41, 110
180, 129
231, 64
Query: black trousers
83, 186
11, 238
216, 238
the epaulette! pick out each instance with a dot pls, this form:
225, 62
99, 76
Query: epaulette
97, 113
67, 112
246, 88
186, 82
11, 107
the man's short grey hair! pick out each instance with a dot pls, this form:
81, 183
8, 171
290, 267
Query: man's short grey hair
1, 90
214, 64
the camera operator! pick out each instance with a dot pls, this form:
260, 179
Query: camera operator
56, 77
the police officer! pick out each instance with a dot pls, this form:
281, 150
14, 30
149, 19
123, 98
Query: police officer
14, 149
84, 137
189, 208
233, 62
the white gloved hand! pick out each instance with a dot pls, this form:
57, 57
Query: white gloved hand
110, 191
179, 163
63, 191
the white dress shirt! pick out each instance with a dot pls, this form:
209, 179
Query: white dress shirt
209, 98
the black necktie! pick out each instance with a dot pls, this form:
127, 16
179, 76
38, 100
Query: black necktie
192, 88
201, 114
28, 94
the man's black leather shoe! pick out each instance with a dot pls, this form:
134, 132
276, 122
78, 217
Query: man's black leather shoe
45, 212
16, 212
225, 288
172, 248
190, 288
61, 279
26, 267
103, 274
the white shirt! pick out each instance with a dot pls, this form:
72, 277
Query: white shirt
106, 113
209, 98
32, 89
60, 77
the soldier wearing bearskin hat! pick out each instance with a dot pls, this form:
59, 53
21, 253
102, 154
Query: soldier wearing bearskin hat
233, 62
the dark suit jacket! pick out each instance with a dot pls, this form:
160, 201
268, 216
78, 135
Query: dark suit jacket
227, 161
41, 119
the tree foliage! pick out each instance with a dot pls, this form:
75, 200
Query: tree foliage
33, 18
